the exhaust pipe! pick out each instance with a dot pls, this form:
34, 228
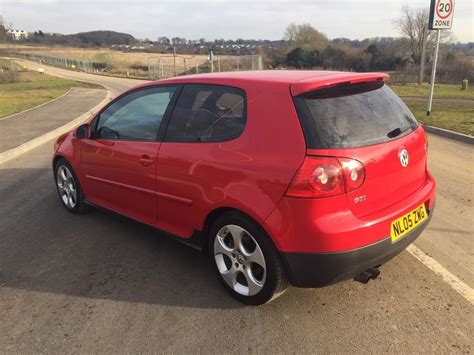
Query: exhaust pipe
367, 275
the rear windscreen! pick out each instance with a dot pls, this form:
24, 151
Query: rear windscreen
354, 115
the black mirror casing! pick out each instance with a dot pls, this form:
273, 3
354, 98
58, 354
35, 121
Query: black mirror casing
83, 131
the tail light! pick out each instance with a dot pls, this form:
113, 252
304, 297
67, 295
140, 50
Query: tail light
354, 173
326, 176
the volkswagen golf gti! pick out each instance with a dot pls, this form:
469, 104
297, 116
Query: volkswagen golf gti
302, 178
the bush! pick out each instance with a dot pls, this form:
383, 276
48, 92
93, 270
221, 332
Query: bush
303, 58
9, 76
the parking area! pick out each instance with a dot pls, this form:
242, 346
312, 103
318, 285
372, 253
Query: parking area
102, 283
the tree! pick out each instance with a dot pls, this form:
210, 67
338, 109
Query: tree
335, 58
3, 30
305, 36
177, 41
412, 24
375, 55
163, 40
373, 50
303, 58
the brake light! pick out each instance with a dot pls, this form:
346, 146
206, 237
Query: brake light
354, 173
326, 176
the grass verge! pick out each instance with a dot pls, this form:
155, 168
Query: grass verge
33, 89
441, 91
458, 118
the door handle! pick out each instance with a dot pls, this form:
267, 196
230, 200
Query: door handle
146, 160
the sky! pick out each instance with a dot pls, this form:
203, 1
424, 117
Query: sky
213, 19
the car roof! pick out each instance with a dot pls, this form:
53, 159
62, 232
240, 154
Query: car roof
299, 81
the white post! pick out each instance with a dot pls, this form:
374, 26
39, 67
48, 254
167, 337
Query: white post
174, 60
211, 57
433, 74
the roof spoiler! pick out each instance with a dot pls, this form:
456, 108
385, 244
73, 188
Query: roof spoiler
311, 84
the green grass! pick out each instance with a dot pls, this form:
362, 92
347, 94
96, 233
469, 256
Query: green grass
441, 91
33, 89
458, 118
6, 64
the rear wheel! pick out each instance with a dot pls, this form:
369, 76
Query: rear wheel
68, 187
246, 261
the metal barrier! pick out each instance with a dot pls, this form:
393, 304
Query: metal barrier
74, 64
165, 66
162, 66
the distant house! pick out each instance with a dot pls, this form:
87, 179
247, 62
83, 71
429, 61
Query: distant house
17, 35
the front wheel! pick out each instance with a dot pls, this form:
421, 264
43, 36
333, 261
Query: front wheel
68, 187
246, 261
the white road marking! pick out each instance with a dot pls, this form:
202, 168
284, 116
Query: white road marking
459, 286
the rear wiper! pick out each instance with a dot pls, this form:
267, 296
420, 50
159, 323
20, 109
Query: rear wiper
397, 131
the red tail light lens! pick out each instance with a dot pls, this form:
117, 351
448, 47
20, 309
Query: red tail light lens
354, 173
326, 176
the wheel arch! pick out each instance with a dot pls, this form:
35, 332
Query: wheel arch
56, 159
215, 214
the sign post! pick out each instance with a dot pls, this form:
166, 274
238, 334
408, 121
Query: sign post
211, 59
433, 73
441, 18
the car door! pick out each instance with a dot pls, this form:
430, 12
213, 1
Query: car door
119, 162
199, 156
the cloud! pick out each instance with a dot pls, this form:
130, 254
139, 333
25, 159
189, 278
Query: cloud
264, 19
30, 2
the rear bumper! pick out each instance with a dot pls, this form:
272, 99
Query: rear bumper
322, 269
328, 225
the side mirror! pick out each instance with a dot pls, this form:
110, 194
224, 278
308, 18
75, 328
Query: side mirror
83, 131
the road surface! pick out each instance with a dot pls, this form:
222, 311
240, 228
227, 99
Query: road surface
27, 125
115, 85
103, 283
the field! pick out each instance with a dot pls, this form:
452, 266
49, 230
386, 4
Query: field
31, 89
458, 118
135, 64
446, 113
6, 64
441, 91
452, 108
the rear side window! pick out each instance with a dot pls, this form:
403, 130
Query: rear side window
207, 113
353, 116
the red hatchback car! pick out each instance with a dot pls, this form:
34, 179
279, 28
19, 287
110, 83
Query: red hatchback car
299, 177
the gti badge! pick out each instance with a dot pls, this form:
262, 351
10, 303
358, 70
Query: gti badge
403, 157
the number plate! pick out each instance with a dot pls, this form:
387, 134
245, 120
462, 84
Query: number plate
406, 223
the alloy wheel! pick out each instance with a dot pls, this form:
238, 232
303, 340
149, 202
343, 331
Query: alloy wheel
240, 260
66, 186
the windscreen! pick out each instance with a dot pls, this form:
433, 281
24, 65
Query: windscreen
353, 115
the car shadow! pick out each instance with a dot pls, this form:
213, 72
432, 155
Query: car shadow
99, 254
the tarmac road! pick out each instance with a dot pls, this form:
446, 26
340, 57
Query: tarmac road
115, 85
27, 125
100, 282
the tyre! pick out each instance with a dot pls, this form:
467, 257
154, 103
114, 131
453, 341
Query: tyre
69, 189
246, 261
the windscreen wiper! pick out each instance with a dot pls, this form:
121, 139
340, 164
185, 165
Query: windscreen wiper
397, 131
